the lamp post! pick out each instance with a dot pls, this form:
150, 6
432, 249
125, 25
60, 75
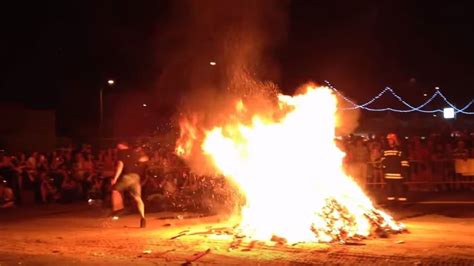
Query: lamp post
110, 82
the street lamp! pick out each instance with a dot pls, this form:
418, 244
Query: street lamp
110, 82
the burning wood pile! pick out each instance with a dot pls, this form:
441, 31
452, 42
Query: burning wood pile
339, 222
289, 170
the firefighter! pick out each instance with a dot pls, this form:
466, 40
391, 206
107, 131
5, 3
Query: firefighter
395, 167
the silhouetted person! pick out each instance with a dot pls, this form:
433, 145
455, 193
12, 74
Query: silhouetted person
130, 165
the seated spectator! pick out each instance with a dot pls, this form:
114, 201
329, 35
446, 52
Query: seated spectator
55, 161
42, 163
31, 163
96, 189
169, 186
358, 162
151, 184
419, 159
89, 165
460, 152
49, 193
108, 164
439, 165
70, 190
11, 175
472, 144
89, 174
375, 156
7, 199
167, 194
78, 167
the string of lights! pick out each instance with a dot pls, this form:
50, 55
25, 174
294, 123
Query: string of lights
410, 107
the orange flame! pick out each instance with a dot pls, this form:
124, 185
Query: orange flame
187, 137
240, 107
290, 171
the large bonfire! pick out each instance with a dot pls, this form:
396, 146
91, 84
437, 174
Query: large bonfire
289, 169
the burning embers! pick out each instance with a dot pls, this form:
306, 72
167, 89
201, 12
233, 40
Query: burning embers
287, 165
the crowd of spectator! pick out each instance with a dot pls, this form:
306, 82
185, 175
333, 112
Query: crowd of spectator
68, 175
63, 175
432, 160
73, 174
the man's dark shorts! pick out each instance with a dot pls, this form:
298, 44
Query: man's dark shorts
129, 182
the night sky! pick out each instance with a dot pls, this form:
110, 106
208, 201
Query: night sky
57, 54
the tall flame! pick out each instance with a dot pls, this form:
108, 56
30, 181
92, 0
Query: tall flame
188, 135
290, 171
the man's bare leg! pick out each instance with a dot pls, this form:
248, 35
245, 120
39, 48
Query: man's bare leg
141, 210
140, 205
117, 201
136, 193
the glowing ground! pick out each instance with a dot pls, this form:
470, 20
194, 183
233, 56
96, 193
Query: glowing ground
80, 235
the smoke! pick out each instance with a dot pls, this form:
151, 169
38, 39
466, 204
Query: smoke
242, 38
347, 120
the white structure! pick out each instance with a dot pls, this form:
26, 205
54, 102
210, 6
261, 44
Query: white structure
448, 113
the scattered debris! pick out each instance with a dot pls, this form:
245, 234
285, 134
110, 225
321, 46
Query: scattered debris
351, 243
165, 218
341, 236
234, 244
279, 240
184, 231
210, 231
178, 235
164, 252
196, 257
250, 246
216, 231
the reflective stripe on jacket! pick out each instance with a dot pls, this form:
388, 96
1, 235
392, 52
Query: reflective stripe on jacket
394, 164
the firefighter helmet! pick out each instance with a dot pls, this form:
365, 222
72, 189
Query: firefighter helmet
393, 136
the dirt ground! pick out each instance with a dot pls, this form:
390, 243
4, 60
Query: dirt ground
81, 235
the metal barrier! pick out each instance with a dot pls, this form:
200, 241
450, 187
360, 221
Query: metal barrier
430, 174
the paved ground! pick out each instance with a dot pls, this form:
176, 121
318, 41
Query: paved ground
439, 234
